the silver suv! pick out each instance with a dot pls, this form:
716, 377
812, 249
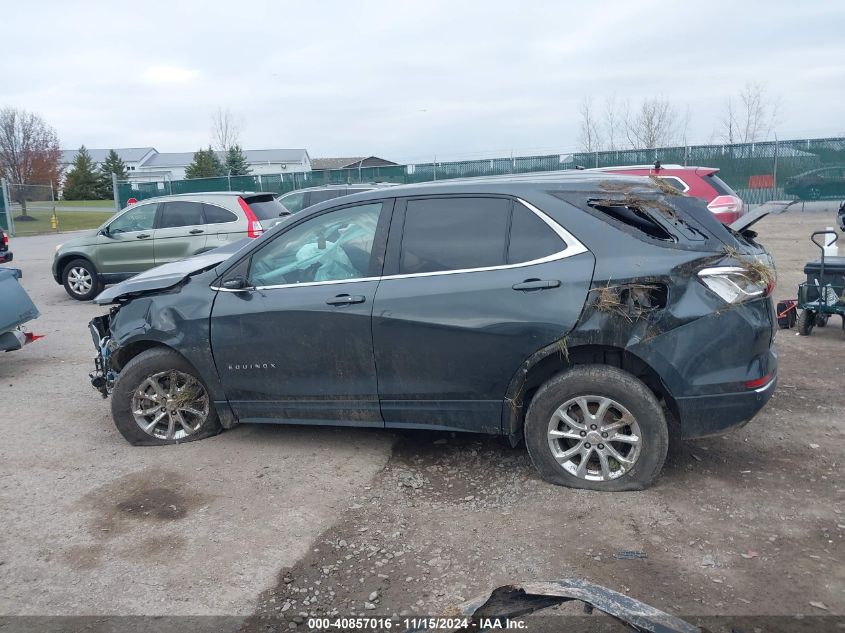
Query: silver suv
157, 231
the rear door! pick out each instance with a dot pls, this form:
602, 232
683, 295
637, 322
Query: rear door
180, 231
473, 286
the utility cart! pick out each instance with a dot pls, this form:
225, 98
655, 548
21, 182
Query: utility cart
823, 294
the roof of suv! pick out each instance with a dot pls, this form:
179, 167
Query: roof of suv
565, 180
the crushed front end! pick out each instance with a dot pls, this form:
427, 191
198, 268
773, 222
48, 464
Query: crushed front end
103, 376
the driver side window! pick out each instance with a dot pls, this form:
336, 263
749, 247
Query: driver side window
329, 247
139, 218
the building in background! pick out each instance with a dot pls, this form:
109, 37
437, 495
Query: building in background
351, 162
132, 157
146, 163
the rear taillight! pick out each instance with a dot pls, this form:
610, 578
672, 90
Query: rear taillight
254, 228
5, 239
735, 284
759, 382
727, 209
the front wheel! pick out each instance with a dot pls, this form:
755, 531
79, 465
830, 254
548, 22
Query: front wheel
806, 322
159, 398
597, 427
80, 280
821, 320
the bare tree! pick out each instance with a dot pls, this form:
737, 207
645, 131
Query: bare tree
29, 150
612, 123
225, 130
588, 135
749, 119
654, 124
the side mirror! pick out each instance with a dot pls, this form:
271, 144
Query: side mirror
105, 231
236, 283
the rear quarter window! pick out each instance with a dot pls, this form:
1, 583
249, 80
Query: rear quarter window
217, 215
530, 237
719, 185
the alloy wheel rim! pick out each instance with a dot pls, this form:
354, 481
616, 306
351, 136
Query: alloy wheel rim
80, 280
594, 438
170, 405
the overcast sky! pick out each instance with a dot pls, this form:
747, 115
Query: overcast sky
409, 80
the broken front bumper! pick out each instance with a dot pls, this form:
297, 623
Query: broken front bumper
103, 377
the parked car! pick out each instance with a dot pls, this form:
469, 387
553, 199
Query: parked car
571, 310
827, 182
296, 201
16, 308
699, 182
160, 230
5, 253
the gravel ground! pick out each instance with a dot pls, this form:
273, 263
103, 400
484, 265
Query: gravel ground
289, 522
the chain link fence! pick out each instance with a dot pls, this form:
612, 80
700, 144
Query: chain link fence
33, 210
807, 169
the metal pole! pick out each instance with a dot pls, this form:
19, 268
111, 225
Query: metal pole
434, 164
114, 191
7, 203
775, 171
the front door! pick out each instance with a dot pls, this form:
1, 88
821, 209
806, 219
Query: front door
127, 244
296, 345
180, 231
472, 287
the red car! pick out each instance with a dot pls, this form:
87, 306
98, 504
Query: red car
700, 182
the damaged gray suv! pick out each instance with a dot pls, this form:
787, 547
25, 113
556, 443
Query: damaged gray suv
587, 314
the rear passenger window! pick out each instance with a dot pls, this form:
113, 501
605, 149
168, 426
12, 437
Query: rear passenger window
180, 213
217, 215
531, 237
443, 234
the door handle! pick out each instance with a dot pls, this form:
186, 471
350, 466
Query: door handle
344, 300
195, 231
142, 236
537, 284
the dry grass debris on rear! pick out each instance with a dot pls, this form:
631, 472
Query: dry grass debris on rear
637, 203
630, 301
666, 187
756, 270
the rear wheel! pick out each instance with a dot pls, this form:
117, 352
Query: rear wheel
159, 398
597, 427
806, 322
821, 320
80, 280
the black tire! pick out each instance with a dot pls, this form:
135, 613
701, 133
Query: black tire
146, 364
72, 281
821, 320
607, 382
806, 322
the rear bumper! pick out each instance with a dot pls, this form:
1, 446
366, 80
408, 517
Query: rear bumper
714, 414
5, 257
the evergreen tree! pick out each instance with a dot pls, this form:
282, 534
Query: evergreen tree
112, 165
205, 165
81, 181
236, 164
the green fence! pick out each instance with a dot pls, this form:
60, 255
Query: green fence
771, 170
3, 222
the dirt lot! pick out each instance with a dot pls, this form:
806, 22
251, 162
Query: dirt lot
288, 522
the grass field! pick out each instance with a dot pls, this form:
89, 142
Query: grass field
68, 221
104, 204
